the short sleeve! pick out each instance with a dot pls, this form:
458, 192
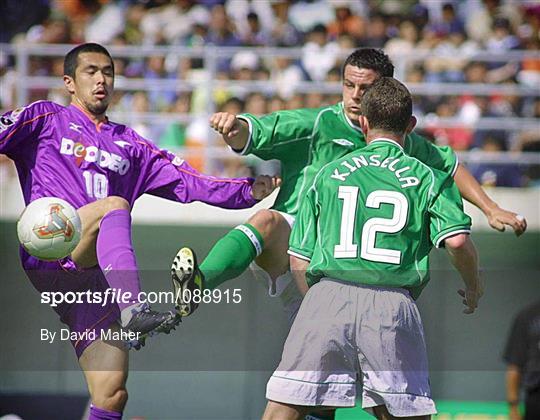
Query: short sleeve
442, 158
304, 232
447, 217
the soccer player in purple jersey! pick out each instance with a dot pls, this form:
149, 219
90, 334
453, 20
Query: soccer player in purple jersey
101, 168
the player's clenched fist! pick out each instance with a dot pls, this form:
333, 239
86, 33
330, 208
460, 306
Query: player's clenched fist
234, 131
225, 124
264, 185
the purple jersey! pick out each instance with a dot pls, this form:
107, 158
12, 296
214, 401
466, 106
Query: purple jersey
60, 152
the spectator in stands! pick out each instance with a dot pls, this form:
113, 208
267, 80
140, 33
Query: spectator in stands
405, 41
141, 105
295, 102
345, 22
376, 36
479, 23
239, 11
458, 137
306, 14
283, 32
106, 22
318, 54
275, 103
221, 33
529, 75
529, 141
155, 70
449, 22
315, 100
132, 30
17, 16
174, 135
256, 104
221, 30
286, 75
172, 22
255, 34
502, 38
496, 174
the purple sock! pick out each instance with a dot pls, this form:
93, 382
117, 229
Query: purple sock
116, 257
102, 414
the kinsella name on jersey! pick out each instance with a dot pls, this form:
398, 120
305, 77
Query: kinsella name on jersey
357, 162
92, 154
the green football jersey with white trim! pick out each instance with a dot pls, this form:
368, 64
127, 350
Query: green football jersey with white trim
373, 216
304, 140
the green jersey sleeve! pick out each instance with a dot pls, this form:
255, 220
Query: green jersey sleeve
447, 217
281, 134
304, 233
442, 158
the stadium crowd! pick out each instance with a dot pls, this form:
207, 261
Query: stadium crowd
324, 30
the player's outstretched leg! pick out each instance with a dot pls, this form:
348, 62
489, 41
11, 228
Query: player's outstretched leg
106, 241
186, 278
105, 367
267, 233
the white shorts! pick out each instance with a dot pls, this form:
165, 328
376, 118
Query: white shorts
343, 329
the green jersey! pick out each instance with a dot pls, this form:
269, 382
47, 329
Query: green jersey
304, 140
372, 217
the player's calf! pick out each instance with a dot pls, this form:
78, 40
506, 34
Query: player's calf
187, 279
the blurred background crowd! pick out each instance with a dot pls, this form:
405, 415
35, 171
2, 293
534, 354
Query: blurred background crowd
448, 53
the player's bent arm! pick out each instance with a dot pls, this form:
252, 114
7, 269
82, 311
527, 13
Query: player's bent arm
464, 258
235, 131
168, 176
497, 217
513, 384
298, 269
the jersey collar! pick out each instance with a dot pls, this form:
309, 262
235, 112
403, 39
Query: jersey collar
98, 125
354, 127
388, 141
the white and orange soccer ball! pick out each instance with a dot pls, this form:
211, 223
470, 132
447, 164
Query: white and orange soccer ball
49, 228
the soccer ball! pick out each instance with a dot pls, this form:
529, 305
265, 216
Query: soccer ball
49, 228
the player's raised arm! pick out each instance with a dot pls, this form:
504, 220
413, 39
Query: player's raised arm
497, 217
168, 176
282, 135
444, 159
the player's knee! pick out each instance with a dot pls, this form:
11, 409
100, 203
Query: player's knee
113, 400
265, 221
114, 203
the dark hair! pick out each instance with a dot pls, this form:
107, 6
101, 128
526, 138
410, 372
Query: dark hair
387, 105
71, 59
370, 58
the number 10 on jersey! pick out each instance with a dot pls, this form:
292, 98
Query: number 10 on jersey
368, 251
97, 185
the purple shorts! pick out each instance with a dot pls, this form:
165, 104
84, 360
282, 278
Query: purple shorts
63, 276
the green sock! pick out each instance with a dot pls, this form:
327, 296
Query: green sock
231, 255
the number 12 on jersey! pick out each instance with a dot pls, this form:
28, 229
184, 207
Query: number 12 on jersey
368, 251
